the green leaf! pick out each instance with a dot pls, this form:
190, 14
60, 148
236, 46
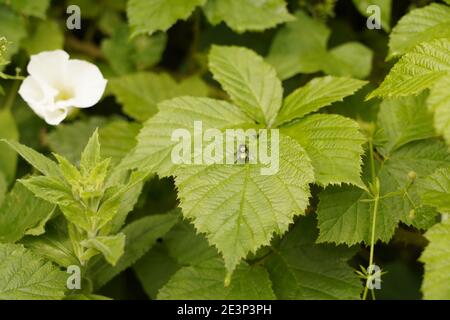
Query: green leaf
149, 16
385, 10
35, 8
140, 93
251, 83
345, 216
417, 70
112, 247
188, 247
91, 155
51, 189
141, 235
403, 120
239, 209
349, 59
155, 269
13, 28
26, 276
316, 94
436, 258
8, 158
334, 145
422, 158
69, 140
117, 139
439, 103
435, 190
247, 15
154, 148
37, 160
20, 212
46, 36
419, 25
344, 213
301, 269
126, 56
301, 47
54, 245
205, 281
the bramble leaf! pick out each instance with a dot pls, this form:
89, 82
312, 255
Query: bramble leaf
419, 25
301, 269
436, 258
419, 69
334, 145
149, 16
205, 281
140, 93
26, 276
154, 147
239, 209
251, 83
316, 94
247, 15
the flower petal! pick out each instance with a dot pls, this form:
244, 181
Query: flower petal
87, 83
49, 67
37, 95
55, 117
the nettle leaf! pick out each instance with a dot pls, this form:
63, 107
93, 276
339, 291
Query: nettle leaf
439, 103
140, 93
301, 47
112, 247
419, 25
54, 244
419, 69
26, 276
334, 144
36, 8
345, 214
435, 190
403, 120
69, 140
239, 209
251, 83
149, 16
316, 94
8, 158
141, 236
154, 148
205, 281
36, 159
436, 258
385, 10
301, 269
20, 212
247, 15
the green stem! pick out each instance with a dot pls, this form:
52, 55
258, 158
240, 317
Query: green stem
376, 197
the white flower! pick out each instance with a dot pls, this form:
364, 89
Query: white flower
57, 84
